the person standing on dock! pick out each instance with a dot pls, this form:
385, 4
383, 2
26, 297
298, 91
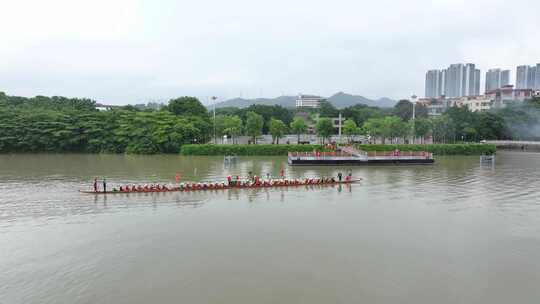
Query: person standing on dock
104, 185
95, 185
339, 176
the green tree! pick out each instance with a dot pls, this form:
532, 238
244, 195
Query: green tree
350, 129
443, 129
219, 125
393, 127
374, 128
233, 126
422, 127
187, 106
268, 112
490, 126
325, 128
470, 133
404, 110
360, 113
254, 125
328, 110
277, 129
298, 126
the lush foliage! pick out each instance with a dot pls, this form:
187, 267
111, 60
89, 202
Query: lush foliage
325, 128
58, 124
389, 127
267, 113
437, 149
277, 129
246, 149
350, 129
298, 126
187, 106
254, 125
404, 109
361, 113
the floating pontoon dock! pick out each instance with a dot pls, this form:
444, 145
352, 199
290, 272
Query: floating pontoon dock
349, 156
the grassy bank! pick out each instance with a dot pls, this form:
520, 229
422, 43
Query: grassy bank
437, 149
245, 149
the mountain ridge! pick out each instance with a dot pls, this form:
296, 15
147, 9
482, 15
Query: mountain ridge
339, 100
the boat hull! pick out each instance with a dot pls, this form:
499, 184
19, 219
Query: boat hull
224, 188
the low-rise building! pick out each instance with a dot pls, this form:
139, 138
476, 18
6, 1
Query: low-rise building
309, 101
508, 95
434, 106
480, 103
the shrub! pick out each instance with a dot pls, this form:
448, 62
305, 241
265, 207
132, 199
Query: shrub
209, 149
437, 149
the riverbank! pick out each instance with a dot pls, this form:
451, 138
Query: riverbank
263, 150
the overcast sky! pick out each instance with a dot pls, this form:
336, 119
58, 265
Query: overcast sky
128, 51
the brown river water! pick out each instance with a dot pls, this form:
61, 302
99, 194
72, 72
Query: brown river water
455, 232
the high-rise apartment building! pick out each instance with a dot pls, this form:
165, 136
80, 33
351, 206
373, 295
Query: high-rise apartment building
456, 81
435, 83
497, 78
505, 78
527, 77
476, 91
537, 77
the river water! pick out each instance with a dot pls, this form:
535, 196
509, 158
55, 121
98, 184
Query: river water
454, 232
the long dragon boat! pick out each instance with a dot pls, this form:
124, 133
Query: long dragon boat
221, 186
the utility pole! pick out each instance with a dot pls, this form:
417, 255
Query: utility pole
339, 128
214, 103
413, 100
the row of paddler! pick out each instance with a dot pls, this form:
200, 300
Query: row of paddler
255, 182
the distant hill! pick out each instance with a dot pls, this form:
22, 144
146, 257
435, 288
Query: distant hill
342, 100
284, 101
339, 100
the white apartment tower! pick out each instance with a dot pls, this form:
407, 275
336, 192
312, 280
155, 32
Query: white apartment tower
528, 77
456, 81
496, 79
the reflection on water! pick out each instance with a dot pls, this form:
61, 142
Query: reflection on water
455, 232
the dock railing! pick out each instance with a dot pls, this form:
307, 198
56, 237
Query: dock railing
399, 155
333, 155
345, 154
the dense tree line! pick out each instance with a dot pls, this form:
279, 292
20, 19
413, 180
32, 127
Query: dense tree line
59, 124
